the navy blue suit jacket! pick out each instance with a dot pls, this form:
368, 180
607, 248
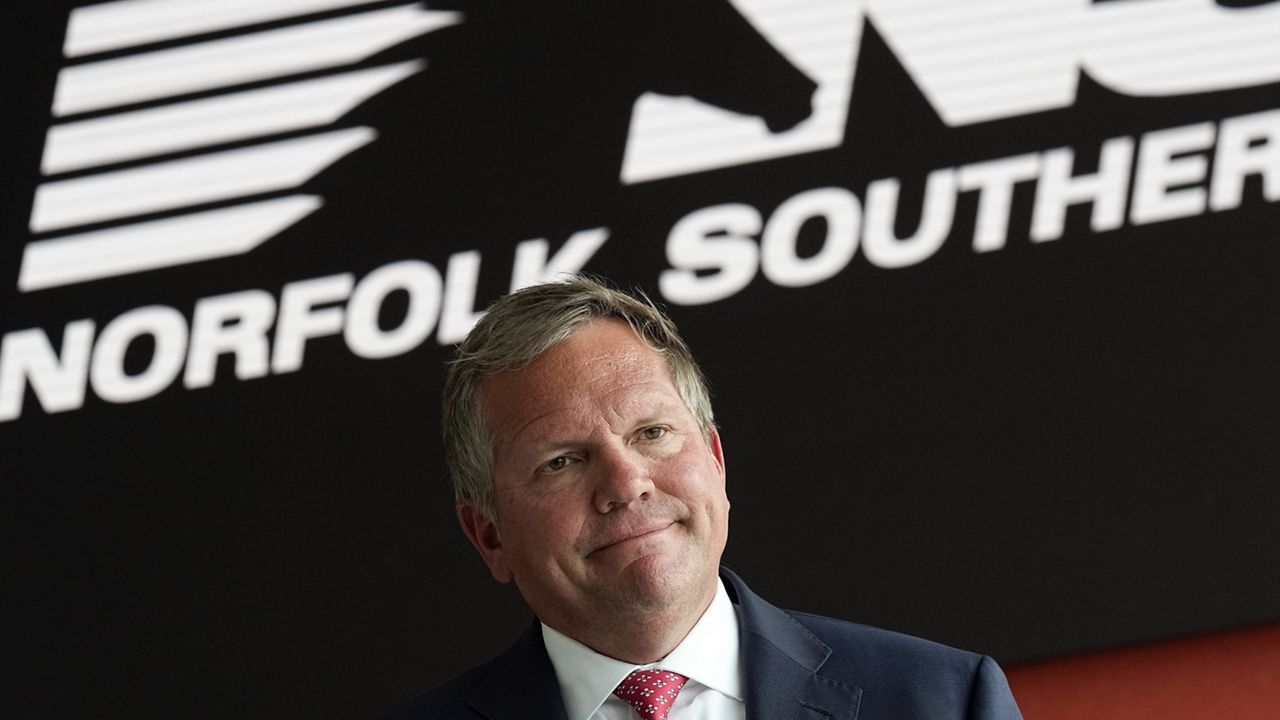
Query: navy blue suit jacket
795, 666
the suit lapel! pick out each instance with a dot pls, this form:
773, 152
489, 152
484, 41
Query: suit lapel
522, 684
781, 663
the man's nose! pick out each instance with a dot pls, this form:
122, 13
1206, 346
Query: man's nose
622, 478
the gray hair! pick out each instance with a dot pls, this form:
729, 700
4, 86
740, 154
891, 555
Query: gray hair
515, 331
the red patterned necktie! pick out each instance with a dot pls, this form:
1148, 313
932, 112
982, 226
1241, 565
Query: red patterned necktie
651, 692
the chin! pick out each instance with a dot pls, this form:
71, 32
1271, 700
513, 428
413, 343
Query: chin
655, 582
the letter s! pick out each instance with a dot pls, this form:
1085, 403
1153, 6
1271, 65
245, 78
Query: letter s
719, 238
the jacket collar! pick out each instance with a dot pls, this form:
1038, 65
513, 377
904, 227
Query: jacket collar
522, 683
781, 661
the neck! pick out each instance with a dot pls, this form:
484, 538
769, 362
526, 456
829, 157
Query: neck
641, 637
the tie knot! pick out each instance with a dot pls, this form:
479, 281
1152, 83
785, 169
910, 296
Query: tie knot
651, 692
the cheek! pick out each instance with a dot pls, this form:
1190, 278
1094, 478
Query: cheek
548, 525
694, 476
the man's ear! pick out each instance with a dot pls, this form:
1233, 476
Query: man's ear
717, 451
483, 534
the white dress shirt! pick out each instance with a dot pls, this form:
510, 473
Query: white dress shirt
708, 656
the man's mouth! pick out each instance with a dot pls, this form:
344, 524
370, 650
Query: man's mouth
635, 534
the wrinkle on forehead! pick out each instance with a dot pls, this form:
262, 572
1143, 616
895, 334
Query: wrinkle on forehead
573, 377
604, 366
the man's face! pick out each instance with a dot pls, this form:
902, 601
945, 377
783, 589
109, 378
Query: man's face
608, 497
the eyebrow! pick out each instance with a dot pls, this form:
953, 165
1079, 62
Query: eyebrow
659, 414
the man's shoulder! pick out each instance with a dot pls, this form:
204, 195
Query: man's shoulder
865, 643
445, 701
873, 659
905, 676
510, 684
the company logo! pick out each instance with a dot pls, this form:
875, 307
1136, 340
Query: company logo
179, 141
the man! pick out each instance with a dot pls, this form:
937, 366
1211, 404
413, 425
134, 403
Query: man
589, 472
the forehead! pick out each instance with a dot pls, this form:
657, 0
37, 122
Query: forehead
604, 362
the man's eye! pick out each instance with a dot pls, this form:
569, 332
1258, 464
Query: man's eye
556, 464
653, 433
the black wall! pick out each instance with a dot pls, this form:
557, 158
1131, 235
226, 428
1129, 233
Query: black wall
1036, 450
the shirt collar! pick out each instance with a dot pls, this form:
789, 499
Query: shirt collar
707, 655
